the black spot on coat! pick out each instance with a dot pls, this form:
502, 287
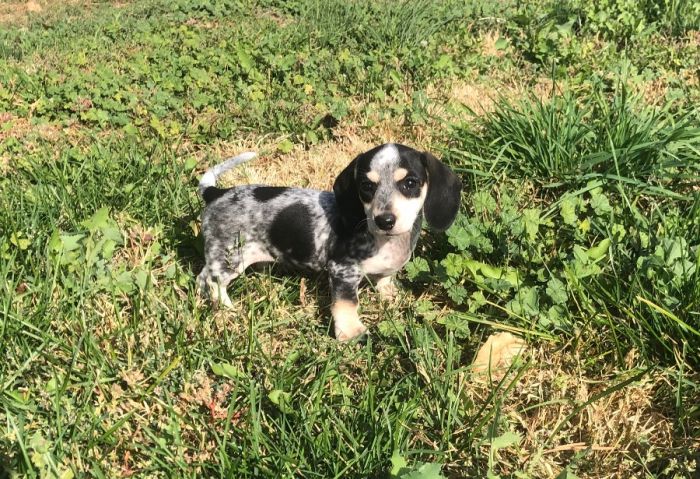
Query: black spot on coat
213, 193
266, 193
291, 233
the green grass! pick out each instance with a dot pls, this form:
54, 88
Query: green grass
628, 174
579, 232
570, 140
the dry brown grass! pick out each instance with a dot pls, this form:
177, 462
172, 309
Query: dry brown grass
27, 134
654, 91
613, 433
478, 96
273, 16
488, 40
314, 167
20, 12
17, 127
497, 354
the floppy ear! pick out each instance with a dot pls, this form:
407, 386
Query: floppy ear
444, 193
347, 197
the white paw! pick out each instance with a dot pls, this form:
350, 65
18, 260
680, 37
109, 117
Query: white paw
346, 321
225, 301
218, 295
387, 288
350, 331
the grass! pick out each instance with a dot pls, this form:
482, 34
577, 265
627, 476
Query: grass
569, 140
578, 233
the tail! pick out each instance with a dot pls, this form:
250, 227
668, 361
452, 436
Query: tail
209, 178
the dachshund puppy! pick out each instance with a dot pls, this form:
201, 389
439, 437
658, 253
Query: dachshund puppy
367, 227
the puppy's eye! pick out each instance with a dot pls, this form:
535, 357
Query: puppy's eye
409, 183
367, 186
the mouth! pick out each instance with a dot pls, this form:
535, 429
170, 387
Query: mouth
390, 233
375, 230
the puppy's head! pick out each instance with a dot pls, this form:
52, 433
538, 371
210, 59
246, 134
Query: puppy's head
391, 184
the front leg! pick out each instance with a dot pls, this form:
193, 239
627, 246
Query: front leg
344, 281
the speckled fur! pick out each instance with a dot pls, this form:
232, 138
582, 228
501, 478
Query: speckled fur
350, 232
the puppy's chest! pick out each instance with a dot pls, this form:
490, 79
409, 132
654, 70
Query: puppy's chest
391, 255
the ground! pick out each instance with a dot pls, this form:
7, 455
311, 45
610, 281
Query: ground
575, 258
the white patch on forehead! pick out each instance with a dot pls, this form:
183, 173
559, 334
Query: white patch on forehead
387, 157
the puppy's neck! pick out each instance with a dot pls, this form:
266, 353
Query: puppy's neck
389, 255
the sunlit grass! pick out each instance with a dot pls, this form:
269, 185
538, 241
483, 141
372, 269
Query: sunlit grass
113, 367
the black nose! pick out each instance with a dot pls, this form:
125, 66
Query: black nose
385, 221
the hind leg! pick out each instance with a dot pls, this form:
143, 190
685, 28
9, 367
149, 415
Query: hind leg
223, 265
221, 269
212, 282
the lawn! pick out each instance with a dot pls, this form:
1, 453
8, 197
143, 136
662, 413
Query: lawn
574, 127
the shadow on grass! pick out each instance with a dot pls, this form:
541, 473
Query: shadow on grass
4, 468
188, 246
682, 465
